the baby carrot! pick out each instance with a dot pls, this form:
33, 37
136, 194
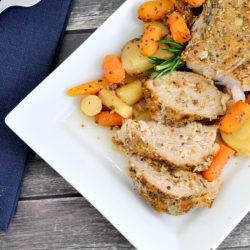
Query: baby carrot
88, 88
148, 44
218, 163
107, 118
155, 10
113, 69
235, 118
178, 27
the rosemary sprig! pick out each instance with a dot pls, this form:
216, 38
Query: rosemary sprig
174, 50
172, 43
165, 66
156, 60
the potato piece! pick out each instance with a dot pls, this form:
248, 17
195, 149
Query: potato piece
130, 93
239, 140
164, 28
110, 100
241, 146
91, 105
243, 132
134, 62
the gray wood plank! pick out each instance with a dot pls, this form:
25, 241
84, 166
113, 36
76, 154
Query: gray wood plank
72, 223
41, 180
70, 43
90, 14
235, 248
240, 236
68, 223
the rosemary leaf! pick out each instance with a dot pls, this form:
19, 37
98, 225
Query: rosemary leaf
150, 71
161, 67
175, 65
171, 59
175, 50
153, 58
163, 72
173, 43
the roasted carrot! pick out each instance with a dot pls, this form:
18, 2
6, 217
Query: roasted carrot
218, 163
148, 44
113, 69
168, 5
88, 88
235, 118
178, 27
195, 3
107, 118
155, 10
248, 98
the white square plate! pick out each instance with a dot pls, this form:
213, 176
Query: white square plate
50, 123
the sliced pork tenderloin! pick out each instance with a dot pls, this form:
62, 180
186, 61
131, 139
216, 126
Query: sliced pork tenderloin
175, 192
184, 96
190, 147
220, 41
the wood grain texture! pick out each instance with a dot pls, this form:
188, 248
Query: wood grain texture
68, 223
42, 181
240, 236
70, 43
72, 223
88, 14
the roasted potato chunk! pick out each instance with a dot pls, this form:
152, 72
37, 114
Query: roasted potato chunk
134, 62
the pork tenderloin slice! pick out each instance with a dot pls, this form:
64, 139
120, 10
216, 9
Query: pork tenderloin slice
175, 192
184, 96
190, 147
220, 40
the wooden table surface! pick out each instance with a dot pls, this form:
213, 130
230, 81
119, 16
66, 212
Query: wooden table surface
51, 213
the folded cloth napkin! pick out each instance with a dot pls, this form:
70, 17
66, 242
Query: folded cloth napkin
28, 42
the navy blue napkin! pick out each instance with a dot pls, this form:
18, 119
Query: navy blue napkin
28, 41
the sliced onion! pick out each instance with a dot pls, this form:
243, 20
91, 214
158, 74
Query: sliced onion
234, 89
237, 93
